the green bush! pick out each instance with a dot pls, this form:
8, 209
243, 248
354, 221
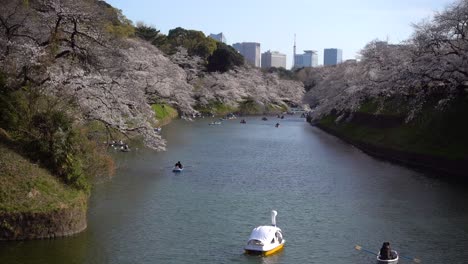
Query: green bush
224, 58
196, 43
43, 129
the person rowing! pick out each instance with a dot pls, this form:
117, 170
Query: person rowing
178, 165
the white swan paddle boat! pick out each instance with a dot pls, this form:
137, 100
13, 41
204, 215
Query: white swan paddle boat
394, 259
265, 240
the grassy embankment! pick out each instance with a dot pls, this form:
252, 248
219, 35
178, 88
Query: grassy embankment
164, 113
434, 135
247, 107
27, 188
34, 203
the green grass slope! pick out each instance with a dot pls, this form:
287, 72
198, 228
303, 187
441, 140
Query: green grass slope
27, 188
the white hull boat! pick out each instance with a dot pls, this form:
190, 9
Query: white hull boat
394, 259
177, 169
265, 240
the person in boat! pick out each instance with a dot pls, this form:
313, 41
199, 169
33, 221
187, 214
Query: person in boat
385, 252
277, 125
178, 165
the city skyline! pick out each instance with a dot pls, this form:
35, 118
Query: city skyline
346, 25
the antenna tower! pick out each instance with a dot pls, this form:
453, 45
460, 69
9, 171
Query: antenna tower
294, 52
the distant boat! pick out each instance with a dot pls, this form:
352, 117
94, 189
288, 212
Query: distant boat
264, 118
265, 240
214, 123
125, 148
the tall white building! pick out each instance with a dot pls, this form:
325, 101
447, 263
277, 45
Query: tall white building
308, 59
250, 51
273, 59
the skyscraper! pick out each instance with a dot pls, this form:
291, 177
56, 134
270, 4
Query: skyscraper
219, 37
308, 59
250, 51
273, 59
332, 56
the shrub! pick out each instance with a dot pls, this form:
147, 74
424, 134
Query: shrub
224, 58
43, 128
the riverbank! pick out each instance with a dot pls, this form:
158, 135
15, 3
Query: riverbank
435, 142
164, 113
34, 204
246, 107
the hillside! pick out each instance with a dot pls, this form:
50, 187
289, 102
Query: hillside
30, 192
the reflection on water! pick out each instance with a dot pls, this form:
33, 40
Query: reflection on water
276, 258
329, 196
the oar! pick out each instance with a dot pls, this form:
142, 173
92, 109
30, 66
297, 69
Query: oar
416, 260
358, 247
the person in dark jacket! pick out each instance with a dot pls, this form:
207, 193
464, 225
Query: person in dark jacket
178, 165
385, 252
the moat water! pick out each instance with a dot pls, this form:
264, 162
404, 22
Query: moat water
329, 196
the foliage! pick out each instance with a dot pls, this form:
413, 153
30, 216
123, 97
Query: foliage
164, 113
282, 73
28, 188
146, 32
64, 49
250, 106
216, 108
224, 58
196, 43
433, 63
72, 57
154, 36
446, 139
44, 131
122, 27
219, 56
233, 87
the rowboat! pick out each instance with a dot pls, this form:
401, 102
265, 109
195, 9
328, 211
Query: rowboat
393, 260
177, 169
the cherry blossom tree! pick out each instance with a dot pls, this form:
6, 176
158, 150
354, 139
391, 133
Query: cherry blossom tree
431, 64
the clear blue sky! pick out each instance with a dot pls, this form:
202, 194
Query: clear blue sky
345, 24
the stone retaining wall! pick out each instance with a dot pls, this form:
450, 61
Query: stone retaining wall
62, 222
